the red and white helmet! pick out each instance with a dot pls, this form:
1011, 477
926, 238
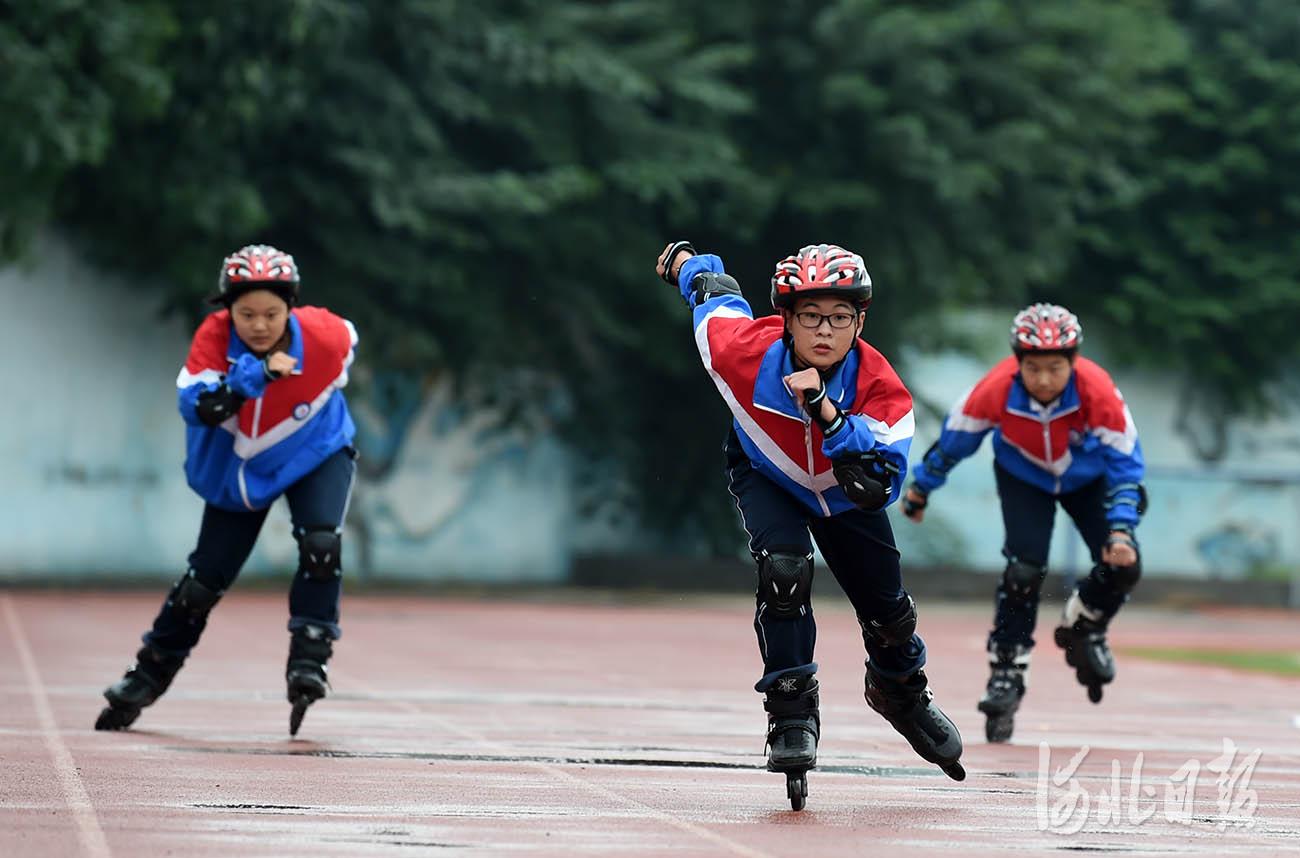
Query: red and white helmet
1045, 328
257, 266
819, 270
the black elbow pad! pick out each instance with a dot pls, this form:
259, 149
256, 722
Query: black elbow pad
709, 283
866, 479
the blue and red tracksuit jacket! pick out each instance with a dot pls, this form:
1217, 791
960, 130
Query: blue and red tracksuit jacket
285, 429
1087, 433
747, 359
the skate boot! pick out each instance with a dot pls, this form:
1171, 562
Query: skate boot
1082, 634
793, 727
908, 705
1009, 667
143, 683
305, 674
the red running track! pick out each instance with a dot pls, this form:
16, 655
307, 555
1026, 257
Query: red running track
575, 724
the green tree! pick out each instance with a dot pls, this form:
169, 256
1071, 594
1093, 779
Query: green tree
69, 73
483, 186
958, 146
1198, 265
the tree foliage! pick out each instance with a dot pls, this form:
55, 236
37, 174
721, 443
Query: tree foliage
1199, 264
70, 74
483, 186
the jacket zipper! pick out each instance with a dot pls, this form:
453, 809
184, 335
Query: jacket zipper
257, 416
807, 440
257, 422
243, 486
1047, 450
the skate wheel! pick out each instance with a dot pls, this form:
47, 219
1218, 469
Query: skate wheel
796, 786
999, 729
1094, 693
956, 771
295, 715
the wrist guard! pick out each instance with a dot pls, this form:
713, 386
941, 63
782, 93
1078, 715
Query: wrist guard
215, 407
812, 403
910, 506
669, 277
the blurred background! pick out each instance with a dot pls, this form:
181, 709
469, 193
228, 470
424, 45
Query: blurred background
482, 188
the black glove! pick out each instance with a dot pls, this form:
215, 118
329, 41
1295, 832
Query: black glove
217, 406
866, 478
910, 506
678, 247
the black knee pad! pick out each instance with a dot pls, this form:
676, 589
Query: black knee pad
895, 628
1119, 579
1022, 581
319, 552
192, 599
785, 582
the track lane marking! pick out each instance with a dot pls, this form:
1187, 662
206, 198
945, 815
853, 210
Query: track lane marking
89, 832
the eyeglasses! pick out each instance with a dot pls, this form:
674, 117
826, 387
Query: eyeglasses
812, 321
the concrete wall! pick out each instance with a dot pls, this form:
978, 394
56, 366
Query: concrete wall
1237, 515
91, 451
91, 454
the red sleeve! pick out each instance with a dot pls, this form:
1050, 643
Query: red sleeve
333, 332
881, 395
1103, 405
734, 345
209, 346
987, 400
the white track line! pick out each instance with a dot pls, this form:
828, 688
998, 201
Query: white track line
93, 843
559, 773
